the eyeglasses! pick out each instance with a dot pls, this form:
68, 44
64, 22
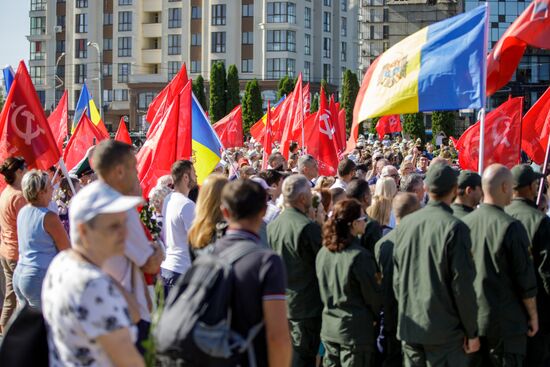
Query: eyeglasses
362, 219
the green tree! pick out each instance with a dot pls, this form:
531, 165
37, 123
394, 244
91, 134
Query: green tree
443, 121
324, 86
350, 88
285, 86
372, 126
252, 105
198, 91
2, 101
217, 92
233, 89
314, 103
413, 124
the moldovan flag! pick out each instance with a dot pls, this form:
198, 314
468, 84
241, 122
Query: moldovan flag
122, 133
24, 130
58, 121
536, 129
440, 67
85, 136
531, 28
230, 128
387, 125
502, 138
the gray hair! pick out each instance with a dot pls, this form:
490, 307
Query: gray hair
294, 186
33, 183
410, 182
305, 160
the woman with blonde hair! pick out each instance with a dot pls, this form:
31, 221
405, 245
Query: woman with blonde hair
208, 224
380, 209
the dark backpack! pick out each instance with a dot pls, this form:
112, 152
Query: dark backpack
194, 328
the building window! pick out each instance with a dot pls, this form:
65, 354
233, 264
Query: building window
344, 54
81, 24
107, 95
196, 39
218, 14
81, 3
247, 66
108, 19
124, 2
37, 75
107, 69
145, 99
81, 48
326, 72
107, 44
343, 5
386, 32
307, 18
60, 46
281, 41
307, 44
37, 50
123, 72
41, 97
124, 21
38, 26
173, 68
174, 18
248, 38
344, 27
196, 66
385, 15
121, 94
218, 42
80, 73
60, 72
326, 21
60, 21
248, 10
307, 71
37, 5
195, 12
281, 12
278, 68
174, 44
124, 46
326, 47
327, 2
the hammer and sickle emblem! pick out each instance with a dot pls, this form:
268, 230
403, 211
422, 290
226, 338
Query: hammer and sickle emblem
327, 130
29, 134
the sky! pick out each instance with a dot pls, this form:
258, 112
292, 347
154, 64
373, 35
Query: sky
14, 27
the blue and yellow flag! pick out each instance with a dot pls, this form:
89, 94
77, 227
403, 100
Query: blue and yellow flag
440, 67
86, 105
205, 143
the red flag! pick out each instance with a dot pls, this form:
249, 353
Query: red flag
267, 142
294, 119
311, 132
307, 100
24, 129
387, 125
257, 130
502, 137
85, 136
328, 157
184, 147
230, 128
536, 129
531, 28
339, 128
58, 121
122, 133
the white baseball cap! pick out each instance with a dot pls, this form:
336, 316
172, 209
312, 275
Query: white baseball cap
98, 198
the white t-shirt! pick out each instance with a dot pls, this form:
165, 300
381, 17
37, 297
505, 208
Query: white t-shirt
80, 303
339, 184
178, 213
272, 212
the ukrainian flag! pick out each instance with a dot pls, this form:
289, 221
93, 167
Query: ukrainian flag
440, 67
86, 105
206, 145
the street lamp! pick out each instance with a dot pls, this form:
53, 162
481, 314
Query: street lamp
56, 78
96, 46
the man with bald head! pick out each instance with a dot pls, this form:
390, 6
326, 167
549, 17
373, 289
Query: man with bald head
505, 282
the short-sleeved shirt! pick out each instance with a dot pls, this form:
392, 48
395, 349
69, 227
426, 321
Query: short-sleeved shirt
36, 247
80, 303
178, 212
260, 276
11, 201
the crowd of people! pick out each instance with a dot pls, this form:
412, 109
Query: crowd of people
402, 259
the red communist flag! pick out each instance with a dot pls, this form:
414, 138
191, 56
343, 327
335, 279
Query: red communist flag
58, 121
536, 129
293, 118
387, 125
502, 137
24, 129
531, 28
339, 128
85, 136
307, 100
328, 156
122, 133
268, 136
230, 128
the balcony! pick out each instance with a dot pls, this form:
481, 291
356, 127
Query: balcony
147, 78
152, 5
152, 30
151, 56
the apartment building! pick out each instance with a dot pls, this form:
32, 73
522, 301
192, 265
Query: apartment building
132, 48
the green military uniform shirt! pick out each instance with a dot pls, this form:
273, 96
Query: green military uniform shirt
537, 225
350, 295
433, 278
298, 239
460, 210
384, 258
505, 273
373, 232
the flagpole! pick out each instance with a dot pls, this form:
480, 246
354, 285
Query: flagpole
484, 94
66, 173
544, 170
481, 117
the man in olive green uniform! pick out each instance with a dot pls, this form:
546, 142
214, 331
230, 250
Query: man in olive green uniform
537, 224
359, 189
505, 282
433, 279
297, 239
404, 203
469, 193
